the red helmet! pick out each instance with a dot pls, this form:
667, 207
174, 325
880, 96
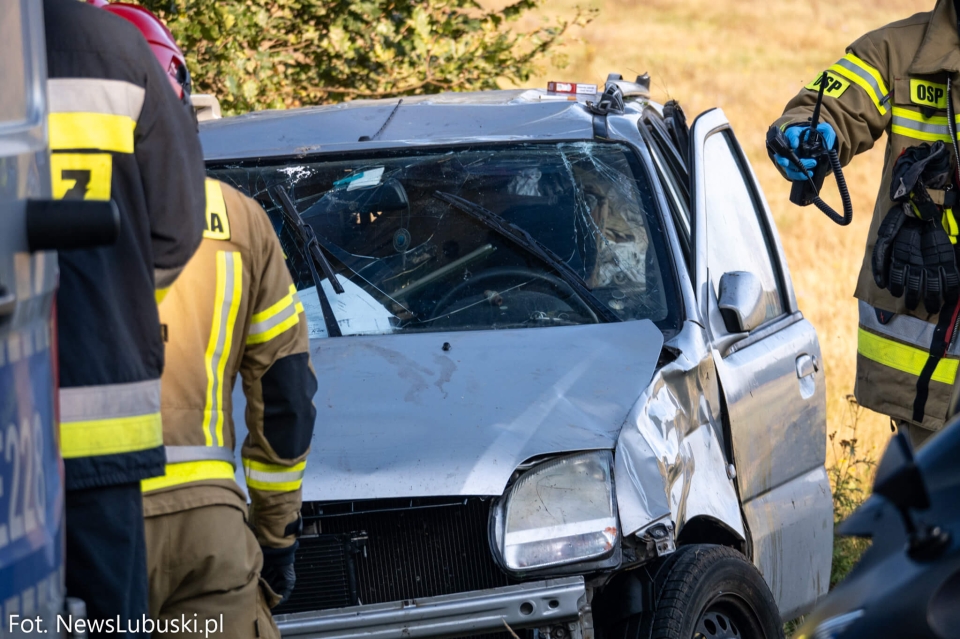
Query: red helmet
159, 38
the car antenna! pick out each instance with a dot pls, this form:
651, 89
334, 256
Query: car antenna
367, 138
304, 232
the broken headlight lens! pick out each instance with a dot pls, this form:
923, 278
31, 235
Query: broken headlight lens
560, 512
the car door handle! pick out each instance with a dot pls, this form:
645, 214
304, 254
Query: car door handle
807, 365
8, 302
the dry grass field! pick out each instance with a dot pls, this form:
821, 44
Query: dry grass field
749, 57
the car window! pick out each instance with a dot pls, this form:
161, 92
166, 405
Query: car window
737, 239
13, 96
413, 258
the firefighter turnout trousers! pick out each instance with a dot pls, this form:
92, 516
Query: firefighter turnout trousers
233, 310
894, 81
204, 568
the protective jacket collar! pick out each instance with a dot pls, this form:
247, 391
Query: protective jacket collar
940, 49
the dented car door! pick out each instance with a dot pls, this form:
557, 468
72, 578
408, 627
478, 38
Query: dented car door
768, 360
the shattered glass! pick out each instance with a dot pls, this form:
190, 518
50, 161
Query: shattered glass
410, 261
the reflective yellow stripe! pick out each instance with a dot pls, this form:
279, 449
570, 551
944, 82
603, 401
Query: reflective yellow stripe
226, 307
100, 131
260, 338
110, 436
228, 344
274, 477
916, 116
109, 419
160, 294
906, 359
950, 225
263, 316
912, 124
925, 136
210, 412
267, 324
276, 308
253, 464
865, 76
186, 472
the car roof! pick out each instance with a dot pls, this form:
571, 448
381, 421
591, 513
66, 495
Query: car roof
446, 118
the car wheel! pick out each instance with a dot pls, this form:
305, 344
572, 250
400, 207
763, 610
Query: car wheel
706, 592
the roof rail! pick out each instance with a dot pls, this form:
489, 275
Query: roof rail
640, 88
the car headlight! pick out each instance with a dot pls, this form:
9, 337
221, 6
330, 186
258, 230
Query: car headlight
560, 512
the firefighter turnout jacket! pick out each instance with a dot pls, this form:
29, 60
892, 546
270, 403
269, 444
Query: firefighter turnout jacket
233, 310
117, 131
894, 81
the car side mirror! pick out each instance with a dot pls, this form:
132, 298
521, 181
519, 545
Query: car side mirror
900, 482
741, 301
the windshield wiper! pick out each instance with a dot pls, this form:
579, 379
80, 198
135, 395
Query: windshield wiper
524, 240
307, 239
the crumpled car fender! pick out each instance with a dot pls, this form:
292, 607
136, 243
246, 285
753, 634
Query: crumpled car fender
670, 459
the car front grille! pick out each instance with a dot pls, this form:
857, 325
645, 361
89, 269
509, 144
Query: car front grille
392, 550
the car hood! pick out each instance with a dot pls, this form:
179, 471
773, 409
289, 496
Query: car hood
455, 413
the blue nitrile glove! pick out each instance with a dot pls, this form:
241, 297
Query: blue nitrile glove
793, 134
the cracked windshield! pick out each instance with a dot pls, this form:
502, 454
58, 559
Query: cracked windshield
478, 238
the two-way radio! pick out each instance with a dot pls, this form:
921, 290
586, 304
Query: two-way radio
807, 192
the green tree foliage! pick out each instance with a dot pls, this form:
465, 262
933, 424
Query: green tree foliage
256, 54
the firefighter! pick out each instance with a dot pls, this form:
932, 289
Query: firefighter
902, 80
116, 131
234, 309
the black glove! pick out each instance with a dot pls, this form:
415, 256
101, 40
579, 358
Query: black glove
915, 260
905, 278
941, 279
913, 256
278, 570
883, 249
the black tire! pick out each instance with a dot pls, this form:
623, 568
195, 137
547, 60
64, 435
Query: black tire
705, 592
713, 592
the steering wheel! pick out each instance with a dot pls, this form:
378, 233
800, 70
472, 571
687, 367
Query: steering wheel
516, 274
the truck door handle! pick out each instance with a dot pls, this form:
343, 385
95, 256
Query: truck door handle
8, 302
807, 365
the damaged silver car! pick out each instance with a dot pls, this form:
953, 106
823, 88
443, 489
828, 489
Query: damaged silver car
565, 388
